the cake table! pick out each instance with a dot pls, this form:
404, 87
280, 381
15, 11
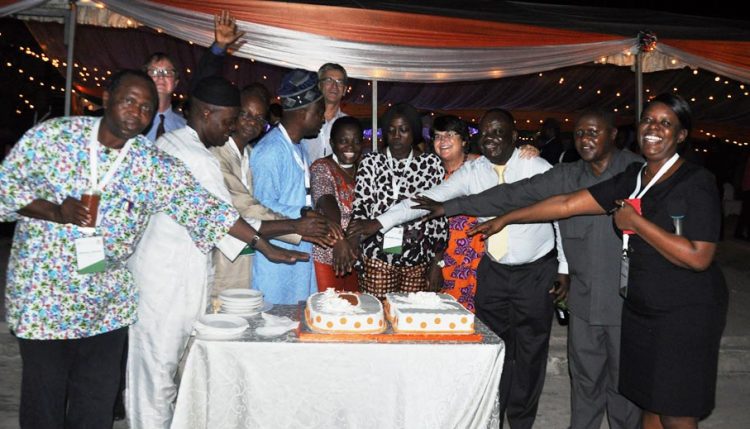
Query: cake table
257, 382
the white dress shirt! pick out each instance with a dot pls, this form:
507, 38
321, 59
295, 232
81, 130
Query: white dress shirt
173, 121
526, 242
320, 146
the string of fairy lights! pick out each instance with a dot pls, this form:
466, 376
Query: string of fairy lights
87, 75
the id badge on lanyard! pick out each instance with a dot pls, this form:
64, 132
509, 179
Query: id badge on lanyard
636, 198
90, 257
393, 239
90, 254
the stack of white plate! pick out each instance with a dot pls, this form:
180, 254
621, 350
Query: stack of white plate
242, 302
220, 327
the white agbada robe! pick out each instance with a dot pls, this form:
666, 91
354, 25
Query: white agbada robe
173, 277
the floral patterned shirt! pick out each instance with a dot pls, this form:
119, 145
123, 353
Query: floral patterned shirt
46, 297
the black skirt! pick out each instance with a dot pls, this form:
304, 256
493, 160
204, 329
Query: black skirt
669, 358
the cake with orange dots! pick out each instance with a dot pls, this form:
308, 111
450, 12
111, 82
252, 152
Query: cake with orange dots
332, 312
427, 313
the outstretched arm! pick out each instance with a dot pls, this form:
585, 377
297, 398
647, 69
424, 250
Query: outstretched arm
553, 208
243, 231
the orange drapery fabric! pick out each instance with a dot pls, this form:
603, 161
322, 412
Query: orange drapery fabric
736, 53
391, 28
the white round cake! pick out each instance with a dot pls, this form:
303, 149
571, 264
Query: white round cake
334, 312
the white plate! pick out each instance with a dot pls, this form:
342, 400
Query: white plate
240, 295
266, 307
220, 324
248, 304
219, 337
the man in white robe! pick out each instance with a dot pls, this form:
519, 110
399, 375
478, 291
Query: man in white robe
171, 273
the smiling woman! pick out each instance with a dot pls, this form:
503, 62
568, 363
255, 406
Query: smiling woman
676, 297
457, 266
332, 180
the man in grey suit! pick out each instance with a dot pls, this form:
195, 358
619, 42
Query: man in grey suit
592, 250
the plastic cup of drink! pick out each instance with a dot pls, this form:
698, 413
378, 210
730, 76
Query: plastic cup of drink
90, 199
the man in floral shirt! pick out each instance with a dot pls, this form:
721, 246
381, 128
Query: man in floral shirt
71, 326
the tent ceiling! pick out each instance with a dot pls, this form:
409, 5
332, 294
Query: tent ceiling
717, 44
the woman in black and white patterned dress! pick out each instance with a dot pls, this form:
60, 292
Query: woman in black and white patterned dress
383, 179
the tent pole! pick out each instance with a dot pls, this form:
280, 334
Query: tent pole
70, 34
374, 115
638, 87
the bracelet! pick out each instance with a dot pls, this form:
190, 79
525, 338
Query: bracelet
254, 241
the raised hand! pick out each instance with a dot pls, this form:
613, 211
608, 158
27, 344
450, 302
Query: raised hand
225, 30
279, 255
363, 228
435, 208
488, 228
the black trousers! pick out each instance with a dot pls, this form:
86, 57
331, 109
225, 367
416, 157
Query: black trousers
70, 383
514, 302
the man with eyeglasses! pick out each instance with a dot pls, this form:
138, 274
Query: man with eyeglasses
332, 79
518, 269
164, 71
165, 75
593, 252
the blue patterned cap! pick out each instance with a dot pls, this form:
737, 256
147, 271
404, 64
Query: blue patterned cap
299, 88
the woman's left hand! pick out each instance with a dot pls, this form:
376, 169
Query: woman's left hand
528, 151
435, 275
626, 216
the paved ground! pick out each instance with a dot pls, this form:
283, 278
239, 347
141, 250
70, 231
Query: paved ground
733, 387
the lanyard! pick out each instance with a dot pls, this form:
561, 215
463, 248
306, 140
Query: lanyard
336, 160
395, 178
94, 182
638, 193
301, 162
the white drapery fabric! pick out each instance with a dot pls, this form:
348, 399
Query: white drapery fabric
392, 62
728, 70
282, 383
296, 49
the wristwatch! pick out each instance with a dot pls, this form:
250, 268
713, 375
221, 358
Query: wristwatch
254, 241
303, 211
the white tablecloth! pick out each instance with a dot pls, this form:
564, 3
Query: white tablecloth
284, 383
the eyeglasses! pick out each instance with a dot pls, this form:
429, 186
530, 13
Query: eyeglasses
258, 119
588, 133
328, 81
161, 72
445, 135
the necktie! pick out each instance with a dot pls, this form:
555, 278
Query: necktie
497, 244
160, 128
